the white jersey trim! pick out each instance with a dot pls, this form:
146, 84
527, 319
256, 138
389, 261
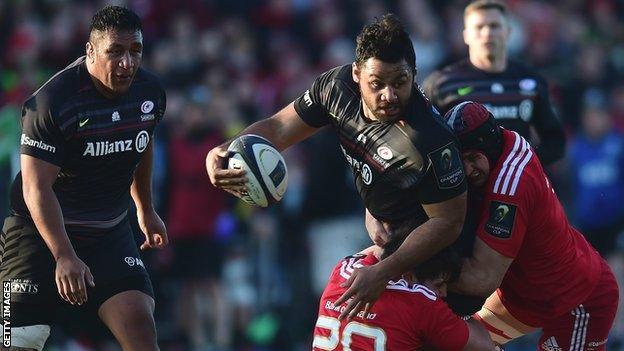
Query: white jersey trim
350, 264
403, 285
512, 168
579, 334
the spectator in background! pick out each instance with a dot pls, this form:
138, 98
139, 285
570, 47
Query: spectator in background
194, 209
597, 166
517, 97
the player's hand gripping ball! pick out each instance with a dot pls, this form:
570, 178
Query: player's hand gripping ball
265, 166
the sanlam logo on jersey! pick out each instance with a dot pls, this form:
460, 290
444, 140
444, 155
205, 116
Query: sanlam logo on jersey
103, 148
26, 140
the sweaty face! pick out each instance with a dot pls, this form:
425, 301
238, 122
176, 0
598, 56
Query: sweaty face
477, 168
114, 58
385, 88
486, 33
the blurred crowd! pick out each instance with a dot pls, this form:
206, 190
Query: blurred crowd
241, 278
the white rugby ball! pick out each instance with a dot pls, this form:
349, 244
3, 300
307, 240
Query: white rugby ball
265, 166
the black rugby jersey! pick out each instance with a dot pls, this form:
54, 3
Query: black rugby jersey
517, 97
397, 166
97, 142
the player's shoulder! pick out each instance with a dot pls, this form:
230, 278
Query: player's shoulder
452, 70
144, 76
517, 170
62, 84
524, 71
462, 65
338, 76
422, 115
342, 72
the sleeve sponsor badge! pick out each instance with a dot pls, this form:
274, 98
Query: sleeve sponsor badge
447, 166
501, 219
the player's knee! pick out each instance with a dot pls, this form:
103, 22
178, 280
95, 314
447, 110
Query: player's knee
31, 337
142, 328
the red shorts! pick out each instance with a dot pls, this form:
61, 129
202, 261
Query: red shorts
587, 326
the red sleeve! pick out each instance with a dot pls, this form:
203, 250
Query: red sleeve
504, 217
445, 330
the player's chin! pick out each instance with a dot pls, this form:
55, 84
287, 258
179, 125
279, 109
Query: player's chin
477, 182
388, 115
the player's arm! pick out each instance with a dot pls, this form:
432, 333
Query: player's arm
478, 337
482, 273
549, 129
443, 227
38, 176
141, 190
283, 129
446, 331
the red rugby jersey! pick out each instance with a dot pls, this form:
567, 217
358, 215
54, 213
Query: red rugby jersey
405, 317
554, 267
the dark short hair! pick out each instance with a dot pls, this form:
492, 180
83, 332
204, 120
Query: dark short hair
386, 40
485, 5
115, 18
446, 263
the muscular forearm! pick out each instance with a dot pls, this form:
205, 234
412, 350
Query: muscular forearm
141, 188
46, 213
283, 129
422, 243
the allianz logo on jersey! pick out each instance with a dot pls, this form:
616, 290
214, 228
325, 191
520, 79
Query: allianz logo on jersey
103, 148
524, 110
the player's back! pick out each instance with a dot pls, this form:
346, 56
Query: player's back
405, 317
554, 267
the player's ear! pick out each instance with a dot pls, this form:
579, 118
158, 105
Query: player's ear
355, 72
90, 51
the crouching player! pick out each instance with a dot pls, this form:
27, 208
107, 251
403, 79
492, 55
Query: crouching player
409, 315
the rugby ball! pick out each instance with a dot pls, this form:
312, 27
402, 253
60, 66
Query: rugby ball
265, 166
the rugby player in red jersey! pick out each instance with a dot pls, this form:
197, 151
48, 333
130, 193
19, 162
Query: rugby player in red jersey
409, 315
538, 271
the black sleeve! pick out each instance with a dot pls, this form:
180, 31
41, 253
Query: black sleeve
549, 128
162, 104
41, 136
312, 105
444, 178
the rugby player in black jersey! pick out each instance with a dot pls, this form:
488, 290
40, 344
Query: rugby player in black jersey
516, 95
86, 150
405, 161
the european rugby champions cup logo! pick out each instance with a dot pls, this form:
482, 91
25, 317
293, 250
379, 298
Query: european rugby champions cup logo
500, 213
501, 219
6, 313
445, 159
